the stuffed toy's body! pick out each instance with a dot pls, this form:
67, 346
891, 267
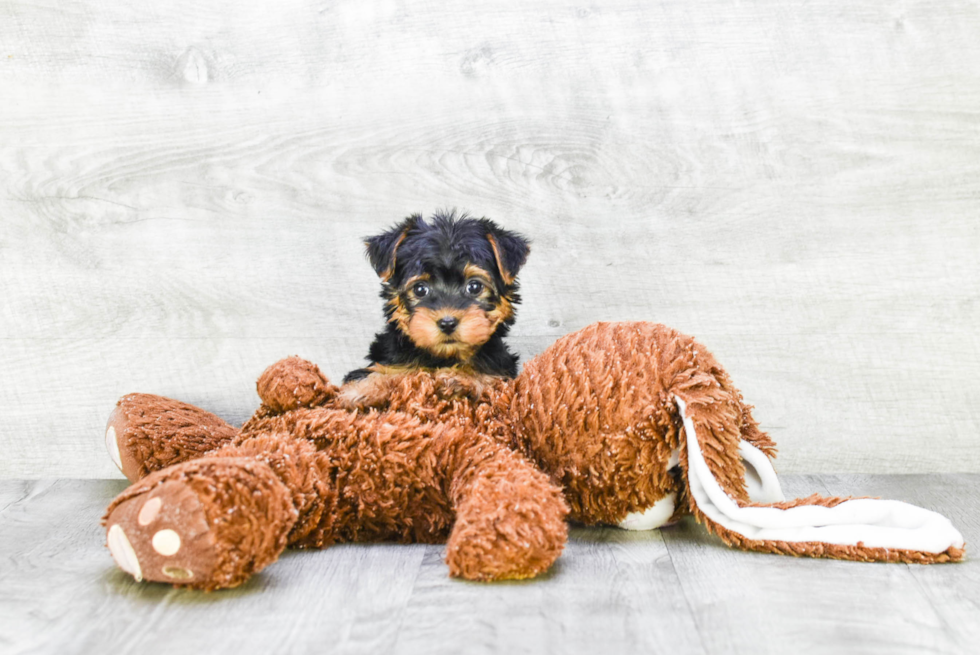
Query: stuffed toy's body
628, 424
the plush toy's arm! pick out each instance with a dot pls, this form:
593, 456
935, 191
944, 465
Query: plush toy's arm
294, 382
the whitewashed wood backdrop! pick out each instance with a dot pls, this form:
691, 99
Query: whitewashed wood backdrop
184, 187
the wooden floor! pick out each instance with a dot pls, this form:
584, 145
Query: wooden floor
672, 591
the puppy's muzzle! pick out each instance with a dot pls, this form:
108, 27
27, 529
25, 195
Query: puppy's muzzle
448, 324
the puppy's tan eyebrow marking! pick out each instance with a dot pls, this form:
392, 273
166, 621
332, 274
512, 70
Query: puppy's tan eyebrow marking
472, 270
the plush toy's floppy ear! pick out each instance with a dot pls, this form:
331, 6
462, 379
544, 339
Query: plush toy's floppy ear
381, 249
509, 249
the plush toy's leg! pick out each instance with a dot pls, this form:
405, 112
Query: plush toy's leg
147, 433
212, 522
208, 523
510, 519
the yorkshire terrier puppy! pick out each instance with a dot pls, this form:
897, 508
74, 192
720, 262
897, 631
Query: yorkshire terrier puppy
450, 287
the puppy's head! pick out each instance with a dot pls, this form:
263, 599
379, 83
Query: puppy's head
450, 283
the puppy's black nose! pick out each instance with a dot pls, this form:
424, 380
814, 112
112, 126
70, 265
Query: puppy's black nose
447, 324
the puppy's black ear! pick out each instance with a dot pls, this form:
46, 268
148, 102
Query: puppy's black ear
509, 249
382, 249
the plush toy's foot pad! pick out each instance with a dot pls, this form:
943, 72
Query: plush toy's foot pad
209, 523
163, 536
116, 445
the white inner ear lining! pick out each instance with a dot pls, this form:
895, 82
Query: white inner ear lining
876, 523
760, 477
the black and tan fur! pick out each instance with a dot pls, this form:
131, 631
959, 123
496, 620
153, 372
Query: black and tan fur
450, 288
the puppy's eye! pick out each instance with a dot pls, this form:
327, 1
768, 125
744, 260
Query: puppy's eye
421, 290
474, 287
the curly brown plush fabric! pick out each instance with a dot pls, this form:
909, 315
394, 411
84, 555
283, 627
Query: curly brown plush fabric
152, 433
599, 414
597, 428
292, 383
370, 476
231, 517
597, 411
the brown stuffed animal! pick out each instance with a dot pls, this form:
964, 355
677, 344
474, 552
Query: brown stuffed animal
629, 424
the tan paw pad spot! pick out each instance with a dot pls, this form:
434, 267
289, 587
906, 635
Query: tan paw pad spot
178, 572
149, 511
122, 551
166, 542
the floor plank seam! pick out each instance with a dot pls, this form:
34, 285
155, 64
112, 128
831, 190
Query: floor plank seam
932, 605
403, 611
687, 599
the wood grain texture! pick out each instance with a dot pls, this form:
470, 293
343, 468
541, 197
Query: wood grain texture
674, 591
779, 604
184, 188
